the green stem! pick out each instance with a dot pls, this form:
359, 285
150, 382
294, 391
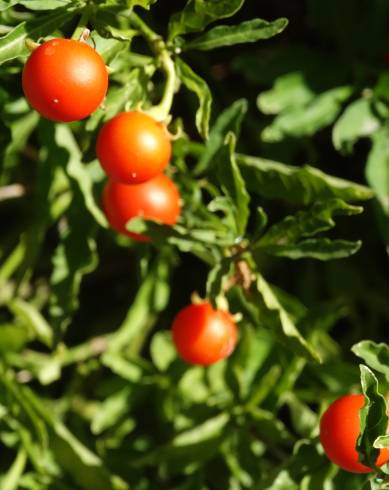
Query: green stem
144, 29
11, 480
161, 111
12, 262
81, 353
81, 26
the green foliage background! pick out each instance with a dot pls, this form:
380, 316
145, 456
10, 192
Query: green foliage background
281, 144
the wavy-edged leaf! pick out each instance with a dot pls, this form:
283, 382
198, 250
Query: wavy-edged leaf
382, 442
28, 315
277, 319
44, 4
12, 44
43, 199
229, 121
246, 32
132, 93
111, 410
376, 356
74, 257
151, 298
289, 91
307, 120
203, 242
21, 130
319, 248
78, 171
306, 223
197, 14
300, 185
6, 4
233, 184
217, 278
357, 121
196, 84
377, 167
192, 447
82, 464
373, 418
253, 348
141, 3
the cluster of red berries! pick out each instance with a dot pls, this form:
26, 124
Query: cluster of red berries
66, 80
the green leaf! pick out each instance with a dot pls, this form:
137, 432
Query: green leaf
109, 48
381, 89
21, 130
204, 243
228, 121
12, 478
218, 277
290, 91
130, 94
12, 44
29, 316
44, 4
193, 386
320, 249
110, 411
213, 427
306, 223
232, 184
307, 120
373, 418
246, 32
85, 467
142, 3
30, 423
197, 85
197, 14
74, 257
6, 4
142, 313
191, 448
77, 171
381, 442
162, 350
377, 167
357, 121
304, 419
283, 481
249, 356
122, 367
310, 467
376, 356
12, 338
44, 198
278, 320
300, 185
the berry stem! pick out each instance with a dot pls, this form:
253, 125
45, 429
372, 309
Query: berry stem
81, 32
31, 45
